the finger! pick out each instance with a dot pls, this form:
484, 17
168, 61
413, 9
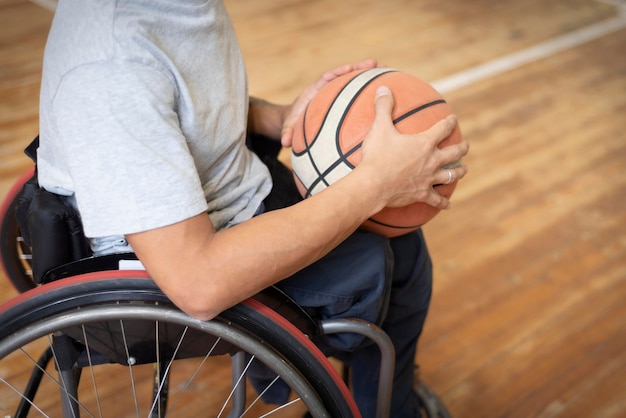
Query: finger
442, 129
361, 65
459, 172
336, 72
450, 174
438, 201
345, 69
452, 155
384, 105
330, 75
286, 137
445, 176
369, 63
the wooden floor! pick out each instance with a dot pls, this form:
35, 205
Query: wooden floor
529, 312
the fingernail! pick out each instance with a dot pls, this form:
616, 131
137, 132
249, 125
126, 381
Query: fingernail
382, 91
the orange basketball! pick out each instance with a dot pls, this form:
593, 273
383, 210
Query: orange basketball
327, 139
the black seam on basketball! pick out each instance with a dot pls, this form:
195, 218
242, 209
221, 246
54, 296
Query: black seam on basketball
306, 143
393, 226
301, 182
417, 109
305, 150
344, 157
321, 177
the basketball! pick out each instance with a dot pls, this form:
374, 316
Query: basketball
327, 137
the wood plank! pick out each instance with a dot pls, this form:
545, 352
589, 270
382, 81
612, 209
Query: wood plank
528, 315
289, 42
23, 29
540, 258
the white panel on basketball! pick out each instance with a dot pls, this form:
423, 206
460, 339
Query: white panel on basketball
321, 164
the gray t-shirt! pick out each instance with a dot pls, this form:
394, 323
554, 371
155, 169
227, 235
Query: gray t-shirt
143, 115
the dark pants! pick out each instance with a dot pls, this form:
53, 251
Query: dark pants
384, 281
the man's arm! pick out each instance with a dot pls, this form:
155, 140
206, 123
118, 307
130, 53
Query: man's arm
205, 272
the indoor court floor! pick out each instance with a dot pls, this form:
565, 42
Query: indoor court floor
528, 317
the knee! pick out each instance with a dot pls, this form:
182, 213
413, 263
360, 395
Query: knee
370, 266
353, 281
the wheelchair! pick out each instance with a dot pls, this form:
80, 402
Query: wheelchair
94, 336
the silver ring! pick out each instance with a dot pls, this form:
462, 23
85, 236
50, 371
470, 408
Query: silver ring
449, 176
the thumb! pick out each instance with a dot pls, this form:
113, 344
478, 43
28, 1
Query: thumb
286, 136
384, 103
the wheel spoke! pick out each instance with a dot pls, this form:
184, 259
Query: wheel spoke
129, 330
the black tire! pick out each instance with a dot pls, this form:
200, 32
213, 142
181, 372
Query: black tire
432, 406
100, 310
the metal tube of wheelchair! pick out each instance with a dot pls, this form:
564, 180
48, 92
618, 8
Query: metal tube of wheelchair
238, 366
387, 355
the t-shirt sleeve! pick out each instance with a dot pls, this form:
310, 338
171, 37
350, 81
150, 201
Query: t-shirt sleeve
127, 157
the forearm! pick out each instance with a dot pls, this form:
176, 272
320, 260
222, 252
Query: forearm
265, 118
219, 269
279, 243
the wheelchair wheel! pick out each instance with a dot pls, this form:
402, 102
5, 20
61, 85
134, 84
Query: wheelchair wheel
15, 255
432, 406
105, 333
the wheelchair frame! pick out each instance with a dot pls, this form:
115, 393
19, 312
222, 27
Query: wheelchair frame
38, 311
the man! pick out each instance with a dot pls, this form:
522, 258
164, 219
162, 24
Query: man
144, 119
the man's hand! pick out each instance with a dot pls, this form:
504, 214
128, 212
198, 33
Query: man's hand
408, 166
293, 112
